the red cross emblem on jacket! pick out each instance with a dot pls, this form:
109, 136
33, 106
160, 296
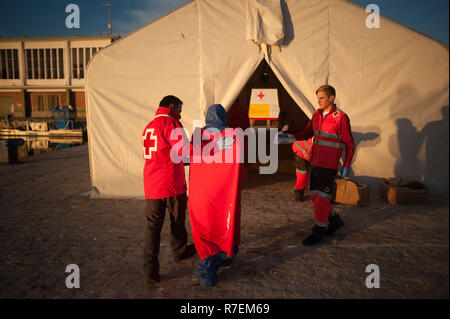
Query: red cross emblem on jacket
150, 143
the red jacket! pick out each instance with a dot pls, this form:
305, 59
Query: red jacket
162, 177
303, 148
332, 138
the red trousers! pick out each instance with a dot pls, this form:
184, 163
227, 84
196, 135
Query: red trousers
301, 171
302, 180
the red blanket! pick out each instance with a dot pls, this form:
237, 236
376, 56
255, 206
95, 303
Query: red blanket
215, 196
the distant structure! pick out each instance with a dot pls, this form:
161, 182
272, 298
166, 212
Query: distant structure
108, 6
38, 74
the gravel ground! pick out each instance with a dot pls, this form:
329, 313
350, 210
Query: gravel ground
49, 222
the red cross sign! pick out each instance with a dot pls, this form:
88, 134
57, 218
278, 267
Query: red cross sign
147, 140
261, 95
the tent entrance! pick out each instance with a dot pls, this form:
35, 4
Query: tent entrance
290, 111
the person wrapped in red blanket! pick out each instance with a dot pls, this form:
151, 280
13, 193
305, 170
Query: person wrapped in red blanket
215, 194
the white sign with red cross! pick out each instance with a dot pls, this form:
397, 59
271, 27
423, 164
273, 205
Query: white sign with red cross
264, 104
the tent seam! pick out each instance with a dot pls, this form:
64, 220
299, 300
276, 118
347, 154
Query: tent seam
328, 43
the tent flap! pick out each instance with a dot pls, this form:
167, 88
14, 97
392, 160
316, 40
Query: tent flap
265, 22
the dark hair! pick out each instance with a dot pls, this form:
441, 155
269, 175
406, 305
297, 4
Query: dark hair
328, 89
170, 99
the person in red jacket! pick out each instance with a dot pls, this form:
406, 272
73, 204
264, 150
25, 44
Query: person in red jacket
332, 140
164, 186
237, 116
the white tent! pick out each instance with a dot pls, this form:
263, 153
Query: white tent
391, 81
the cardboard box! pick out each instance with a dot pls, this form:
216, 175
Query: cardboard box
397, 192
351, 193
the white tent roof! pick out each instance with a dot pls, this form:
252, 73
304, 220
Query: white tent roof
391, 81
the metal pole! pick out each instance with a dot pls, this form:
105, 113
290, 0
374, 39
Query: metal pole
109, 17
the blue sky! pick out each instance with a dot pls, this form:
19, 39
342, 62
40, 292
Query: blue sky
46, 18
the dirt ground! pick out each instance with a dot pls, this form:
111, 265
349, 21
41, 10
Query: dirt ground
49, 222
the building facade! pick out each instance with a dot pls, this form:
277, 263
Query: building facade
39, 74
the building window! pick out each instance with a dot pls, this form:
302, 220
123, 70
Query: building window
46, 103
48, 66
9, 64
60, 63
74, 63
54, 67
88, 55
44, 63
6, 104
16, 63
41, 64
35, 64
80, 59
41, 103
29, 64
81, 62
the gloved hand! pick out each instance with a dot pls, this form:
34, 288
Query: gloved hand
225, 143
284, 138
344, 171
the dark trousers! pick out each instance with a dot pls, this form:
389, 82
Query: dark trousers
155, 213
301, 164
322, 188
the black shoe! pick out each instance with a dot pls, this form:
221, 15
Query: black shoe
207, 270
224, 259
188, 253
335, 222
316, 236
298, 193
